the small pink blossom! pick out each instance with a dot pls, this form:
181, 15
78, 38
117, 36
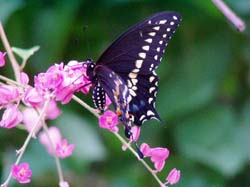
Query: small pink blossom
145, 149
109, 120
11, 117
174, 176
30, 117
2, 59
65, 94
24, 78
63, 184
107, 101
33, 98
135, 135
63, 149
55, 136
157, 155
52, 111
22, 173
8, 94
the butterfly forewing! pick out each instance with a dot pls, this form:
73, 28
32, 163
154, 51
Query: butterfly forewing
141, 48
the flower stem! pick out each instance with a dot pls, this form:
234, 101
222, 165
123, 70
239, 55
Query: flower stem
12, 58
10, 81
93, 111
25, 145
230, 15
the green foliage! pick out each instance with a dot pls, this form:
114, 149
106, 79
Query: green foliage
203, 91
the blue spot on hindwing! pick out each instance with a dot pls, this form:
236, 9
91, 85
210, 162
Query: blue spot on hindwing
142, 103
135, 108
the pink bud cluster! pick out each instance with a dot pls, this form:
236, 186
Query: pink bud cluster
157, 155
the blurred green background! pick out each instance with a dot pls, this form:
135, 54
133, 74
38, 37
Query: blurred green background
203, 92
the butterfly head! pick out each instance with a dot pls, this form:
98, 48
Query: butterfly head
90, 65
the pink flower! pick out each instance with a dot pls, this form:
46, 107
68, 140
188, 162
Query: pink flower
29, 118
55, 136
65, 94
157, 155
107, 101
32, 97
109, 120
63, 81
8, 94
52, 111
145, 149
22, 173
63, 149
174, 176
64, 184
2, 59
11, 117
135, 135
24, 78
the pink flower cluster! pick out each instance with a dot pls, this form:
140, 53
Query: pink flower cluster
24, 105
63, 81
157, 155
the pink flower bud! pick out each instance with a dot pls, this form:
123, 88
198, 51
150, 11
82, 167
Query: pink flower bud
63, 184
174, 176
32, 97
107, 102
145, 149
30, 116
21, 173
52, 111
55, 136
11, 117
8, 94
63, 149
24, 78
2, 59
109, 120
135, 133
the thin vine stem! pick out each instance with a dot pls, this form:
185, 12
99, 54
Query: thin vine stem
15, 65
58, 164
230, 15
124, 142
21, 151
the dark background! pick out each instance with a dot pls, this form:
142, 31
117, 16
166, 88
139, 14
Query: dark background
203, 92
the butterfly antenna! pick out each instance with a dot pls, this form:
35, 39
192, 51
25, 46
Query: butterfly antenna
84, 29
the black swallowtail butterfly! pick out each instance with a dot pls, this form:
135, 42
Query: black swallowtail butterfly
126, 70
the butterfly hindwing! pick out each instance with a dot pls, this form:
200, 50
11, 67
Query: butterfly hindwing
142, 97
116, 89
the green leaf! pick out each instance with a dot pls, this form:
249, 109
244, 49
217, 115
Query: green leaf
194, 82
79, 131
210, 137
25, 54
